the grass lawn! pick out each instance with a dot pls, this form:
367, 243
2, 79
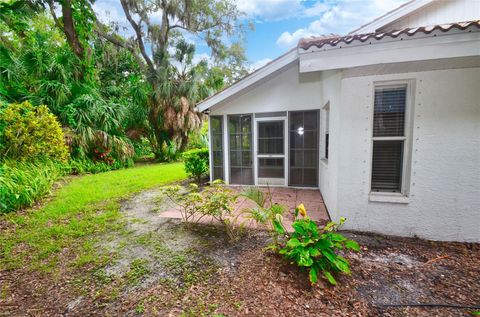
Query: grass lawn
80, 209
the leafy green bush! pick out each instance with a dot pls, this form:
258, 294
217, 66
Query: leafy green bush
22, 183
196, 163
29, 133
317, 249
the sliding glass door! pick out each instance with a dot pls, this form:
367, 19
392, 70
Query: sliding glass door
303, 148
240, 149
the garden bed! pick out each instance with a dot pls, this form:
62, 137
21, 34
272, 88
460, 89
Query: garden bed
161, 267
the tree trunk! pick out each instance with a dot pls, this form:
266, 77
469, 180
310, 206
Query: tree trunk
69, 29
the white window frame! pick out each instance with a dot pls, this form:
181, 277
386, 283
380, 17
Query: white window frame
403, 195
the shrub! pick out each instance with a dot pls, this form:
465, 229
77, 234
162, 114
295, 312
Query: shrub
317, 249
196, 163
215, 201
22, 183
30, 133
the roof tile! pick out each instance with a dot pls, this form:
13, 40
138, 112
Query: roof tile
333, 40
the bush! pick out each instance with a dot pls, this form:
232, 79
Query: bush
215, 201
317, 249
196, 163
22, 183
29, 133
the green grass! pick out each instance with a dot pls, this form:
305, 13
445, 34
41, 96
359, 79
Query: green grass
80, 210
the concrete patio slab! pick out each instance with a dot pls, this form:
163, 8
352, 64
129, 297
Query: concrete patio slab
289, 197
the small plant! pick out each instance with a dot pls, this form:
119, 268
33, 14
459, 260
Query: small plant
215, 201
196, 163
317, 249
266, 212
190, 202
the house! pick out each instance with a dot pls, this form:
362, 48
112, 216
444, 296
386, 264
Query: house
384, 121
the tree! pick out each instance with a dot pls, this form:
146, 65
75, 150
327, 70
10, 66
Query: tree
177, 82
37, 64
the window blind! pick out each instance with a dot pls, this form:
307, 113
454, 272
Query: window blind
389, 117
388, 139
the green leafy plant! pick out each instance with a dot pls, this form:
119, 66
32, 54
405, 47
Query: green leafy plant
265, 212
317, 248
30, 133
23, 183
196, 163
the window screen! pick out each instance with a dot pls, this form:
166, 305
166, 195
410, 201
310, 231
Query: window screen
241, 149
388, 139
216, 139
303, 130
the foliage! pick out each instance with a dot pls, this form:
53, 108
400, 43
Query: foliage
29, 133
22, 183
38, 65
215, 201
190, 202
265, 212
166, 52
317, 249
85, 166
107, 90
199, 138
91, 206
143, 149
196, 163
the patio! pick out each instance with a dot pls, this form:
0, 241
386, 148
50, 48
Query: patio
289, 197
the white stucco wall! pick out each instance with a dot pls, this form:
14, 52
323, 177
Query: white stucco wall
288, 90
330, 85
444, 200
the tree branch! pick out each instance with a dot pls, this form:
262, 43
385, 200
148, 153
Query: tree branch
138, 32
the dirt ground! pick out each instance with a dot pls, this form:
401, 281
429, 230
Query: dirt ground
160, 267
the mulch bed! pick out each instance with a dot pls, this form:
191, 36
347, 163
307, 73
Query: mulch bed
389, 270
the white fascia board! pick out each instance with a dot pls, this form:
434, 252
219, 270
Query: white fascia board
249, 80
393, 16
393, 51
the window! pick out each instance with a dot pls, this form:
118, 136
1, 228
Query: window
216, 139
389, 139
